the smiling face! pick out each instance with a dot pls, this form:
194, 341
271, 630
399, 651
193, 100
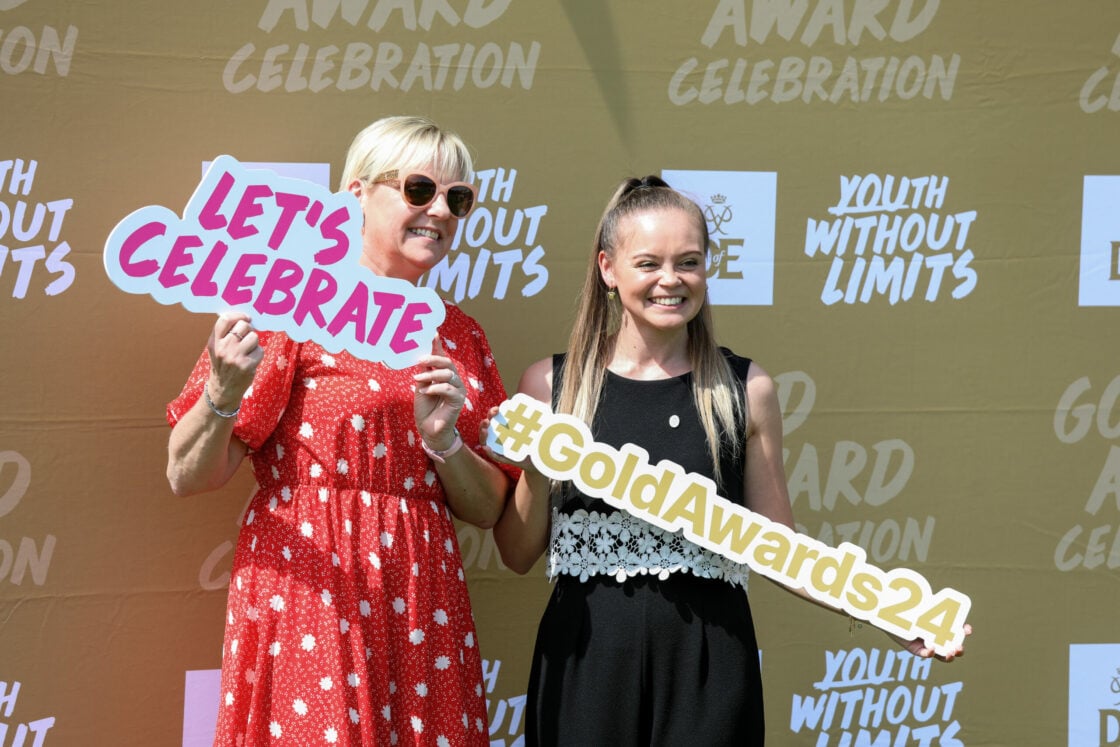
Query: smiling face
658, 269
399, 240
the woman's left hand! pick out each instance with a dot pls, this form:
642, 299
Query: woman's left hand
440, 394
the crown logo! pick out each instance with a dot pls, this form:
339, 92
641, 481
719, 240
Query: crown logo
718, 199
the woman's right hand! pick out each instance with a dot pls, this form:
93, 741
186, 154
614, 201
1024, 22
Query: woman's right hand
525, 464
202, 452
235, 352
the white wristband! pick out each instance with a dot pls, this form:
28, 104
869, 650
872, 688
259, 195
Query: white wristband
441, 455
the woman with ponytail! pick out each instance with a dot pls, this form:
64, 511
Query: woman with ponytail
647, 638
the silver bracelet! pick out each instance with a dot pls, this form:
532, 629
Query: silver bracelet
215, 410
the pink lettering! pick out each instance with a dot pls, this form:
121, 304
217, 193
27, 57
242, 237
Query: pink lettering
179, 256
209, 218
409, 324
129, 246
290, 204
283, 277
387, 303
204, 284
249, 207
313, 214
240, 281
321, 288
353, 311
331, 232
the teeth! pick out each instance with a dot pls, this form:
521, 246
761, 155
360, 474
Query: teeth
425, 232
674, 301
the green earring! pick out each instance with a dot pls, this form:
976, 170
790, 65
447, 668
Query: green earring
612, 294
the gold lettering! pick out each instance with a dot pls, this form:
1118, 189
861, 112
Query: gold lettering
692, 505
628, 465
660, 483
801, 552
864, 595
774, 554
606, 474
840, 570
565, 458
719, 531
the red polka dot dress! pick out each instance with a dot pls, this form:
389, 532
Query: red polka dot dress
348, 620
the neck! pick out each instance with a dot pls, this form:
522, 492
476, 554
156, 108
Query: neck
403, 272
647, 354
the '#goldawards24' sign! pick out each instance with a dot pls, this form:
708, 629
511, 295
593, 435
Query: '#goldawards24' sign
899, 601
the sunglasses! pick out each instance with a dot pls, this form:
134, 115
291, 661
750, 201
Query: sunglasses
420, 191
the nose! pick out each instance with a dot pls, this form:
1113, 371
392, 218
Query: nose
669, 277
439, 208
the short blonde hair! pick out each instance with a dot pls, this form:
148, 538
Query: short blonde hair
406, 143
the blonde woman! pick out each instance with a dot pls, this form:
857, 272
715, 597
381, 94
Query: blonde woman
348, 618
647, 638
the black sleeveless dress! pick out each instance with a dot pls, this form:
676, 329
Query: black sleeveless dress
651, 659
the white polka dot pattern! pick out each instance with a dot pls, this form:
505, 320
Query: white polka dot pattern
349, 616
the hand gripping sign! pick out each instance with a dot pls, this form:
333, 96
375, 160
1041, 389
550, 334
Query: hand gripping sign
898, 601
285, 251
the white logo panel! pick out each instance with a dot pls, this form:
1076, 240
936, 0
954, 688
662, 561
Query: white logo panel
1094, 694
740, 207
1100, 242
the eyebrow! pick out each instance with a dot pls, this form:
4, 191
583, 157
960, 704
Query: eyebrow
653, 255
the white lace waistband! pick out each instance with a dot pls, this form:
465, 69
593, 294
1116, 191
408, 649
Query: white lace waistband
589, 543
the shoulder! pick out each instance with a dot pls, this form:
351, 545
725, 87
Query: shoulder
762, 397
460, 327
537, 380
739, 365
758, 380
457, 318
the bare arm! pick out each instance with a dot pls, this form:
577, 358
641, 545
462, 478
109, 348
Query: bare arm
766, 488
522, 531
202, 452
765, 477
475, 487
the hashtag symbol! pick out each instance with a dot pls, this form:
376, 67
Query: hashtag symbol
520, 426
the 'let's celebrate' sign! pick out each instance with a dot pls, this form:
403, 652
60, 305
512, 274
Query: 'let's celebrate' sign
285, 251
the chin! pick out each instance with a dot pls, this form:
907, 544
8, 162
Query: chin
428, 257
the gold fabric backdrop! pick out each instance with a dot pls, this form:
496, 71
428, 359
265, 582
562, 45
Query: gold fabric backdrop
915, 209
